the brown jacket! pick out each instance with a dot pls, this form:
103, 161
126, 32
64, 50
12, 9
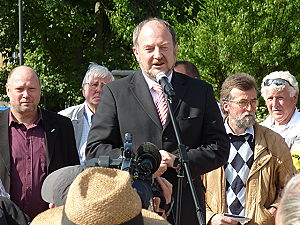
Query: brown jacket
271, 169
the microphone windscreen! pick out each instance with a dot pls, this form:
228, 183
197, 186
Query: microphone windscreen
149, 151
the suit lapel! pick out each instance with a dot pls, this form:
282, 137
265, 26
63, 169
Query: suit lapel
4, 144
180, 87
50, 132
140, 91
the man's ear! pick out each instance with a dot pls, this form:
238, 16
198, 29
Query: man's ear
225, 106
7, 89
135, 52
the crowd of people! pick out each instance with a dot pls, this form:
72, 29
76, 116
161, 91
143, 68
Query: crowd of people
242, 172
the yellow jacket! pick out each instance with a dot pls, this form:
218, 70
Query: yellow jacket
271, 169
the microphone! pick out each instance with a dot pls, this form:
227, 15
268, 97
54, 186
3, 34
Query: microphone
148, 157
162, 79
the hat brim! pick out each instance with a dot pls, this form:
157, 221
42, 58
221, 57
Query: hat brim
65, 175
54, 217
51, 216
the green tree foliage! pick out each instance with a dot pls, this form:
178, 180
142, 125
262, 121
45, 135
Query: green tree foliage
221, 37
62, 36
255, 37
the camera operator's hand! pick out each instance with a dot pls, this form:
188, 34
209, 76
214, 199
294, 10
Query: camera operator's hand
162, 168
166, 188
168, 158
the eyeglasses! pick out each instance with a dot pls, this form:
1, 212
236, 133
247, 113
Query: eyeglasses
93, 86
277, 82
244, 103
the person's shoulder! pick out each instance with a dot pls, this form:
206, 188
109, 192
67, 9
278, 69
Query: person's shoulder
68, 112
123, 80
273, 140
190, 80
50, 115
267, 132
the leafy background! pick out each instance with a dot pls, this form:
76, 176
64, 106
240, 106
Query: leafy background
221, 37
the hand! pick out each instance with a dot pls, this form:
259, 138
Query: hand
168, 158
220, 219
160, 171
166, 187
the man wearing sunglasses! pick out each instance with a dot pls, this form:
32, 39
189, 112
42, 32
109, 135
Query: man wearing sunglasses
280, 91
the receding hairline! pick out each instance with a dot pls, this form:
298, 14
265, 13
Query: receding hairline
19, 69
139, 27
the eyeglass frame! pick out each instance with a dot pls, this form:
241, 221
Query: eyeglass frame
90, 84
277, 82
240, 103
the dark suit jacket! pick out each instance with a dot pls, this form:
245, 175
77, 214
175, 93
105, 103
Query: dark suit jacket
60, 142
127, 106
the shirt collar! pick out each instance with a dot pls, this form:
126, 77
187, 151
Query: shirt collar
12, 118
151, 82
88, 112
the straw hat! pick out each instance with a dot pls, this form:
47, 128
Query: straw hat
100, 196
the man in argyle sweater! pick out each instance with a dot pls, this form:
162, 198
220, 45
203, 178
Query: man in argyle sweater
259, 163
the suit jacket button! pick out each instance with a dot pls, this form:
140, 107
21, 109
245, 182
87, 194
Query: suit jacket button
165, 138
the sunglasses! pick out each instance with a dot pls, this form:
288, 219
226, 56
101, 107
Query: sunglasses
277, 82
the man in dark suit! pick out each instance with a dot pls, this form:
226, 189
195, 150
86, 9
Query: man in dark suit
33, 142
128, 105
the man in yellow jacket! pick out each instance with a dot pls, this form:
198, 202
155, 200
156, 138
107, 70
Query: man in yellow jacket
246, 189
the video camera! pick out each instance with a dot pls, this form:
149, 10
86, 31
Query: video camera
140, 166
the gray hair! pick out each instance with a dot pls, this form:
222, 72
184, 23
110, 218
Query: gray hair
96, 70
284, 75
289, 206
139, 27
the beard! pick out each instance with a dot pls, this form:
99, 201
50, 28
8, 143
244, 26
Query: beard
244, 121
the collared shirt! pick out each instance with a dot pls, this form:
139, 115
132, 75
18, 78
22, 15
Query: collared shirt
151, 83
289, 131
28, 165
85, 131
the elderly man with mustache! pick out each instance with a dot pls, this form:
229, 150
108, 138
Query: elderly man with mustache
246, 188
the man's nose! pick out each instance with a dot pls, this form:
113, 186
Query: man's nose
275, 102
25, 94
157, 53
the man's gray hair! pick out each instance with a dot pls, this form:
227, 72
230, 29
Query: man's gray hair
139, 27
284, 75
96, 70
289, 206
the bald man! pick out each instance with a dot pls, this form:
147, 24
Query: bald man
33, 142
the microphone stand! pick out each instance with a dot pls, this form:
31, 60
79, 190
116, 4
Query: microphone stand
184, 168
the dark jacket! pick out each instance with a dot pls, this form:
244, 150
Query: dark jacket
127, 106
60, 142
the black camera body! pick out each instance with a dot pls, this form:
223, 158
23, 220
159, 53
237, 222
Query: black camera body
140, 166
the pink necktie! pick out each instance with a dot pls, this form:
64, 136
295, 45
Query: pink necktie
161, 104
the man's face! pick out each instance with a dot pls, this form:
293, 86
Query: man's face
92, 90
155, 51
24, 90
241, 108
280, 105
